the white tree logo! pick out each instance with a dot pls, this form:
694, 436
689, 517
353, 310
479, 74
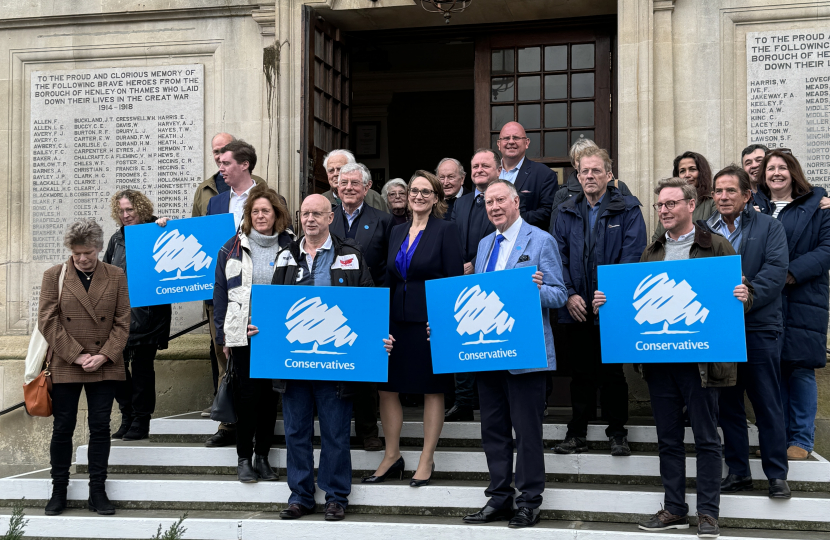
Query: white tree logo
174, 251
659, 299
316, 322
481, 314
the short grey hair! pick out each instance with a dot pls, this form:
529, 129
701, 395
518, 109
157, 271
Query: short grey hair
578, 148
384, 192
510, 187
85, 232
689, 191
365, 175
458, 164
338, 151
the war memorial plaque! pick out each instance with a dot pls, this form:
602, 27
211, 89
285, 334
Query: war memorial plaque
788, 96
97, 131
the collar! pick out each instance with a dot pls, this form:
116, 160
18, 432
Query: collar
682, 237
513, 231
477, 192
246, 192
516, 168
599, 202
719, 222
324, 247
353, 214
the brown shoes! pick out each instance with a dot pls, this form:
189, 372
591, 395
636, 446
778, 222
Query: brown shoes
372, 444
295, 511
334, 512
796, 453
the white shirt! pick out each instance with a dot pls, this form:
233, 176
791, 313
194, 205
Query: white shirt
507, 244
237, 204
309, 257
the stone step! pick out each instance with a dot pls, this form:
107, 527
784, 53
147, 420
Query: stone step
191, 427
585, 502
80, 524
463, 463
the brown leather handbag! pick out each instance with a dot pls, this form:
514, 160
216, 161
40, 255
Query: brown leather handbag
36, 393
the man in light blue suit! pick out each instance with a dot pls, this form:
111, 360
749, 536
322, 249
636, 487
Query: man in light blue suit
512, 400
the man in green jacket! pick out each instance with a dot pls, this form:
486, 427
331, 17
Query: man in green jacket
671, 386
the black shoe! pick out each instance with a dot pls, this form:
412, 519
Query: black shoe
99, 502
734, 483
334, 512
57, 503
372, 444
223, 437
489, 514
125, 427
263, 469
295, 511
619, 446
137, 432
778, 489
458, 413
663, 521
396, 469
418, 483
524, 517
707, 526
245, 471
572, 445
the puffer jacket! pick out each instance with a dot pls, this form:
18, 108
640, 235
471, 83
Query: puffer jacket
356, 275
149, 325
706, 244
232, 289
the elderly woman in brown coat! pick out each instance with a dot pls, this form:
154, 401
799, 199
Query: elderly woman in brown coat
86, 325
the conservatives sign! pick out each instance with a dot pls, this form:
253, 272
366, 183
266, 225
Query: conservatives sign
676, 311
319, 333
176, 263
486, 322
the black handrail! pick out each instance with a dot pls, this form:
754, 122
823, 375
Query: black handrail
171, 338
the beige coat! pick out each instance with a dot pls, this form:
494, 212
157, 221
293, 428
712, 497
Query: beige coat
97, 322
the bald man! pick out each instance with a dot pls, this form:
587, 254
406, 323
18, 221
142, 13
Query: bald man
535, 182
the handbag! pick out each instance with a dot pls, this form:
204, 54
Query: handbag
36, 388
224, 407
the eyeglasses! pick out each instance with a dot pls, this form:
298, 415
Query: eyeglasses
782, 150
512, 139
316, 215
668, 204
414, 192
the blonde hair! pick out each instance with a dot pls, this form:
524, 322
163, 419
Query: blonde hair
141, 204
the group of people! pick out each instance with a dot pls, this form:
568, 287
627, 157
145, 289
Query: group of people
428, 228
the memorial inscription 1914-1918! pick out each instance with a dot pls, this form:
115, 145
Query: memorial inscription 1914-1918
97, 131
788, 96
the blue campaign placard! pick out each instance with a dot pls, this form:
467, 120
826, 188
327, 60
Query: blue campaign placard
486, 322
319, 333
674, 311
176, 263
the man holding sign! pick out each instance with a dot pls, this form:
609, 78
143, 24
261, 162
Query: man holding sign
510, 399
694, 385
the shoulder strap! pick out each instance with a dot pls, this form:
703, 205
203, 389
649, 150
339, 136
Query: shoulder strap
60, 280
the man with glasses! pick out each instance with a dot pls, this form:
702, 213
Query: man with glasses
355, 219
695, 386
535, 182
599, 226
451, 174
470, 217
332, 163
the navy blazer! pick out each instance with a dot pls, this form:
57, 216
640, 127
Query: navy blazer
372, 234
437, 255
471, 228
536, 184
219, 204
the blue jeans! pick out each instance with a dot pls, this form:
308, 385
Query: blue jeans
334, 474
799, 394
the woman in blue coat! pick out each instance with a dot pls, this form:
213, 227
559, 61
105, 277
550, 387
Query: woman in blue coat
806, 295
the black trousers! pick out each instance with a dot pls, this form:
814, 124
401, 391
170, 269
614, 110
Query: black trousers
136, 396
589, 374
511, 402
65, 398
365, 402
672, 386
256, 408
760, 378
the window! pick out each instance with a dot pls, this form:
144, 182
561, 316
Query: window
331, 93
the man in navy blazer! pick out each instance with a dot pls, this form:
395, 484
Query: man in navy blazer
510, 399
535, 182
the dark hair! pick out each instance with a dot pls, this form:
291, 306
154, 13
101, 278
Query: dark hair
751, 148
262, 191
744, 183
440, 207
496, 154
800, 185
704, 175
242, 152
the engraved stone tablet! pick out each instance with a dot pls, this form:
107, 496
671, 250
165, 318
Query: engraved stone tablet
788, 96
97, 131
